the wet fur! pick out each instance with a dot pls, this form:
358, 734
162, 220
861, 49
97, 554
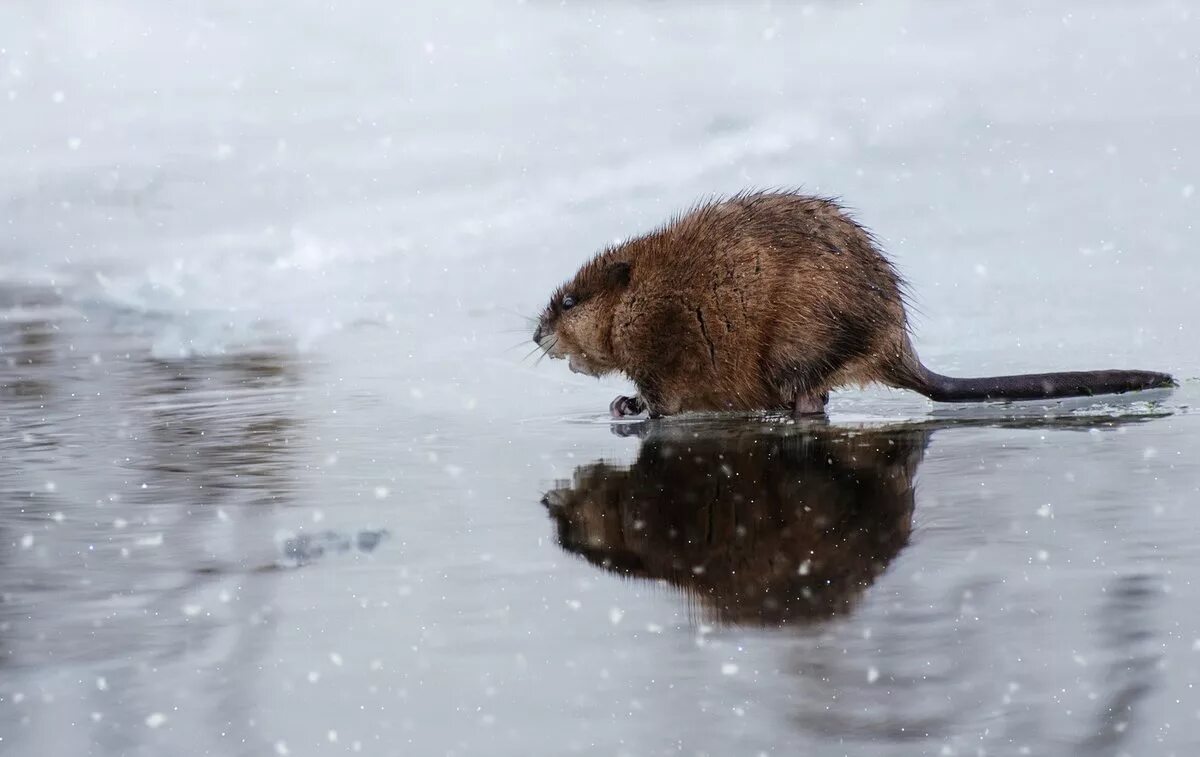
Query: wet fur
762, 301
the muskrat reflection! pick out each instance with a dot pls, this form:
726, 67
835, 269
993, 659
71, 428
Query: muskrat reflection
757, 526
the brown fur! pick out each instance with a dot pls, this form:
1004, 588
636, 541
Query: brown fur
760, 526
761, 301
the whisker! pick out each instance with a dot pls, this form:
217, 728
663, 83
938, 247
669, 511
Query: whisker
546, 351
530, 353
518, 345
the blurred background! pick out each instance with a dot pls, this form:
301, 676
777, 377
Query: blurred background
264, 274
241, 174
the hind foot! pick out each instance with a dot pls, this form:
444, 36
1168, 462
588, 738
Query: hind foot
809, 404
624, 407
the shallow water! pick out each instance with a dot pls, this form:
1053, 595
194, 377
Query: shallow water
272, 480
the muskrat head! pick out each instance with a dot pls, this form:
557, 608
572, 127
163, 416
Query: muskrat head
577, 324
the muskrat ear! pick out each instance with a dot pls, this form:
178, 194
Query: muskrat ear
618, 274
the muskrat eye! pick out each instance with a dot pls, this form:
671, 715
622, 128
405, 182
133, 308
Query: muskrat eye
568, 302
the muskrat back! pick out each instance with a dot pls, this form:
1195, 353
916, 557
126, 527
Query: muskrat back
767, 301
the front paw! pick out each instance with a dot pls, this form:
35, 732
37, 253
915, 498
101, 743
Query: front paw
624, 407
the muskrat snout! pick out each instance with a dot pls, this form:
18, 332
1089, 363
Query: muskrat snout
547, 341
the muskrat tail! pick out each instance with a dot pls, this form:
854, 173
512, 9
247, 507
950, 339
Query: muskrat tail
1028, 386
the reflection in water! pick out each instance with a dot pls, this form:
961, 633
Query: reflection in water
777, 525
211, 429
758, 525
301, 549
1129, 639
135, 494
26, 348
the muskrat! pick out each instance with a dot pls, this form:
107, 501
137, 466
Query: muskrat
757, 524
763, 301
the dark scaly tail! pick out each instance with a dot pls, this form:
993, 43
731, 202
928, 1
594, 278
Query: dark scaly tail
1032, 386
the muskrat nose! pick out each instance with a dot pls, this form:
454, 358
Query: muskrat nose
537, 334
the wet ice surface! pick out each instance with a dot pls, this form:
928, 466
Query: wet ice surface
999, 577
271, 481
